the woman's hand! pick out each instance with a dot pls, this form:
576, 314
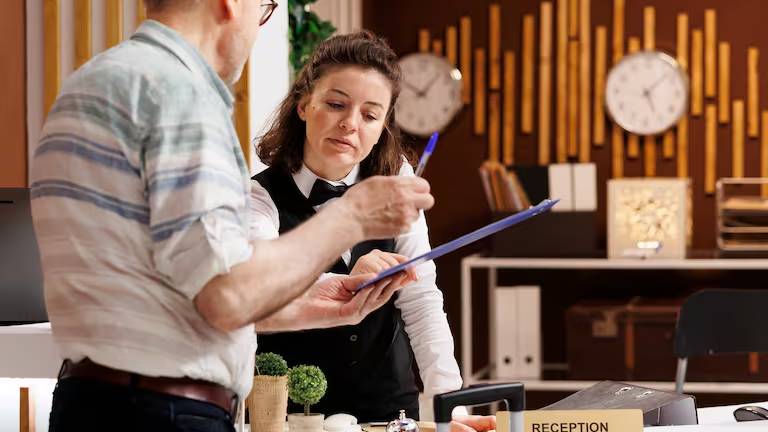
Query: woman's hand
473, 423
377, 261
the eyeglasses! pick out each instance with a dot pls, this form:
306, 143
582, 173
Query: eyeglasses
269, 9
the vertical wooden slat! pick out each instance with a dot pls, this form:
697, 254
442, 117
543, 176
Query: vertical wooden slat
649, 43
82, 32
114, 21
479, 91
545, 83
601, 40
710, 47
682, 147
724, 82
682, 126
437, 47
573, 98
424, 39
649, 156
710, 148
617, 152
633, 141
585, 84
494, 126
141, 12
573, 19
450, 45
753, 92
697, 60
242, 114
26, 411
509, 108
618, 30
51, 52
649, 28
682, 41
527, 86
465, 28
494, 46
764, 152
617, 134
668, 144
561, 105
737, 139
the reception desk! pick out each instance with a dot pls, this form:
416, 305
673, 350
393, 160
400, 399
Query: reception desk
29, 358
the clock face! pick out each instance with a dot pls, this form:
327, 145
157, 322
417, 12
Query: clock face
430, 95
647, 92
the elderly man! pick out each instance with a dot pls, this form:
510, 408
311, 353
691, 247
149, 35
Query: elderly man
139, 194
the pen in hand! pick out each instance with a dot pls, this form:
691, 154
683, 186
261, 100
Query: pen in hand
427, 153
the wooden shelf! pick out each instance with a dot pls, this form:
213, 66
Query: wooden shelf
690, 387
493, 264
478, 261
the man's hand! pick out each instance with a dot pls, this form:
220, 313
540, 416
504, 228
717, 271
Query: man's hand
332, 303
384, 206
377, 261
473, 423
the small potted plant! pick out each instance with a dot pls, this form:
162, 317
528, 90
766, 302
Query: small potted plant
306, 386
268, 401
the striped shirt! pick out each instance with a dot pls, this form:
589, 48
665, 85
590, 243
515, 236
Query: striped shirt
139, 194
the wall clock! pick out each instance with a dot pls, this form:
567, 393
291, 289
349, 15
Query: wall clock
647, 92
430, 95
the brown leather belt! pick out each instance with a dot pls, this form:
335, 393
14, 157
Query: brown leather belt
182, 387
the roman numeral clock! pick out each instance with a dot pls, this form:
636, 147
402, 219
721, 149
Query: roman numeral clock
647, 92
430, 96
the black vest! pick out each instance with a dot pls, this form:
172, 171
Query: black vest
369, 366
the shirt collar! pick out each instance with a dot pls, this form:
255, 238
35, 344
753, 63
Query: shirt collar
305, 179
159, 34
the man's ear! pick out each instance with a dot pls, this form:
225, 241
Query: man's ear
229, 8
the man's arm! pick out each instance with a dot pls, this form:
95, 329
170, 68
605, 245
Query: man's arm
332, 303
280, 270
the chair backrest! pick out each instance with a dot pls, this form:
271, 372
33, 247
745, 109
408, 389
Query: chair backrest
715, 321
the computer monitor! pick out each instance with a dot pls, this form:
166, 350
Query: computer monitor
21, 280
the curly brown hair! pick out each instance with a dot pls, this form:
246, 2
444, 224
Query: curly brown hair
282, 146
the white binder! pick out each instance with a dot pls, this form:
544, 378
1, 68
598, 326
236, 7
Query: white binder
516, 332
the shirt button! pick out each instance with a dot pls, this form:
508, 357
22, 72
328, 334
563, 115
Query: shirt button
353, 338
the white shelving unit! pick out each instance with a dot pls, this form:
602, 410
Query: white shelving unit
493, 264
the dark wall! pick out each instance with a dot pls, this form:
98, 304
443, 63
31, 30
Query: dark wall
453, 168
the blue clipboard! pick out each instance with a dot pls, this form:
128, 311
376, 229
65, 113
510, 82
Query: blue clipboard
464, 240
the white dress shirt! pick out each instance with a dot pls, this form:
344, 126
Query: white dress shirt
420, 303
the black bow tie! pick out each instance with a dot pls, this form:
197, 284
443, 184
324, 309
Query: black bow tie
322, 191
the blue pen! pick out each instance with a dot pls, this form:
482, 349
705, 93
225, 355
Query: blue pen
427, 153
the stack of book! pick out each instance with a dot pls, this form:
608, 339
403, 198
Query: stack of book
503, 189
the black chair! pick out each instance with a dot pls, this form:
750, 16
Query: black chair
716, 321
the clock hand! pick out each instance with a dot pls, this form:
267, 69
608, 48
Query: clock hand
413, 88
429, 84
658, 81
647, 95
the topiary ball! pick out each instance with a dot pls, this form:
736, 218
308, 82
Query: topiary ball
306, 384
271, 364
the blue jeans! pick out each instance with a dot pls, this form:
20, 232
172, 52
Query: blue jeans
83, 405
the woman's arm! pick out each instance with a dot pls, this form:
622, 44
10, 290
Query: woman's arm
421, 305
